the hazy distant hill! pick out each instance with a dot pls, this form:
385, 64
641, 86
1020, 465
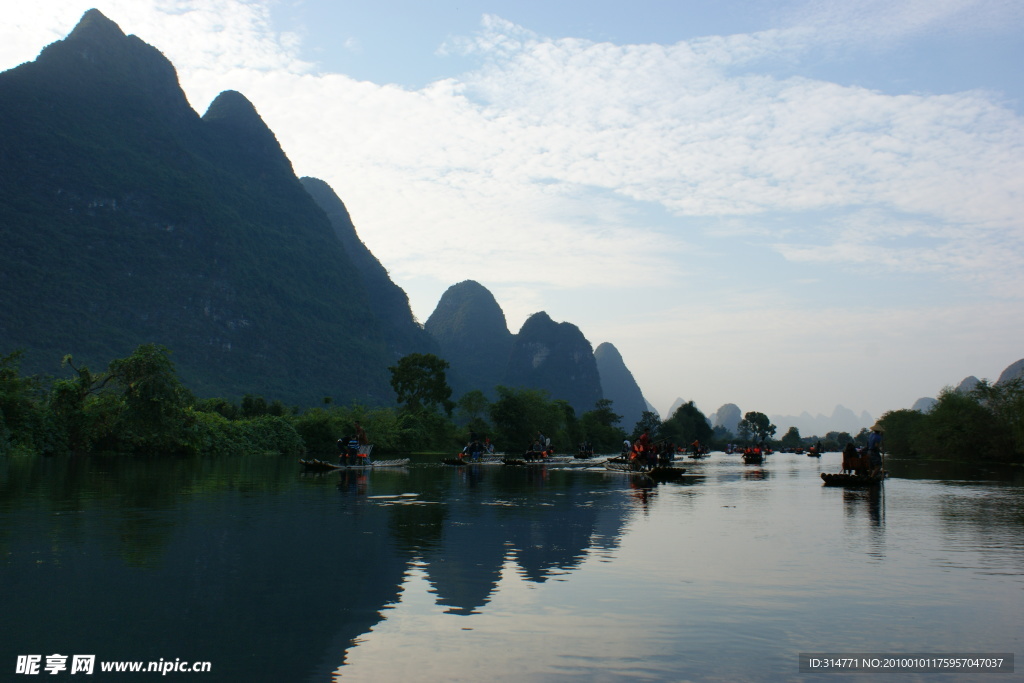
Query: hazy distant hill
1013, 371
727, 417
470, 330
924, 404
619, 386
842, 419
556, 357
127, 218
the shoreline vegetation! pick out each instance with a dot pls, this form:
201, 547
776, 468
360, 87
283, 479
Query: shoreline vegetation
138, 406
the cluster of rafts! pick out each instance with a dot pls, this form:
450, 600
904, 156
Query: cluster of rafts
616, 464
659, 473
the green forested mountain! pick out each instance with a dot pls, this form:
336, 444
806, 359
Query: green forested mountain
389, 302
472, 335
555, 357
127, 218
619, 386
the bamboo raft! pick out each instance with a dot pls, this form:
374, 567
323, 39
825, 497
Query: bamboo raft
841, 479
462, 462
314, 465
659, 473
523, 462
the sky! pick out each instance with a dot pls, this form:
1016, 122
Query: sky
785, 205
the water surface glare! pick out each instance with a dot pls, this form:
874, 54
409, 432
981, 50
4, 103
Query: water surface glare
430, 573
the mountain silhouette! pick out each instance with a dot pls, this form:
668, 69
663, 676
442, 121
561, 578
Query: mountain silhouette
619, 386
127, 218
555, 357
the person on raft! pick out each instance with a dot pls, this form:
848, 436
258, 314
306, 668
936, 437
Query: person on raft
875, 449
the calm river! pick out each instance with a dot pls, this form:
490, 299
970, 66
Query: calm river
434, 573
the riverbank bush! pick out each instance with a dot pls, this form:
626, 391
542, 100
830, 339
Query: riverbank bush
985, 424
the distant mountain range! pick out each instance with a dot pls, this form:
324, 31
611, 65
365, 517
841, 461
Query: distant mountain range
127, 218
842, 419
472, 335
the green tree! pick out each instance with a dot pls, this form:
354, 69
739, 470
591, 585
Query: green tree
153, 416
23, 417
649, 422
138, 405
420, 382
81, 412
220, 406
568, 434
757, 425
600, 427
835, 441
473, 404
687, 424
472, 409
1006, 402
518, 414
902, 432
959, 427
791, 439
253, 406
721, 436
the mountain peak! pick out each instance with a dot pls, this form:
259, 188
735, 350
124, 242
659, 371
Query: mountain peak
472, 335
467, 308
1012, 372
95, 27
98, 62
608, 350
236, 121
233, 108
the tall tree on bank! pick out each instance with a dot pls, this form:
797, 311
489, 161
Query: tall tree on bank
519, 414
687, 424
791, 439
420, 383
650, 422
757, 425
600, 427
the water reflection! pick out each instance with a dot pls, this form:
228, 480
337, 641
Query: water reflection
274, 575
353, 482
642, 491
862, 505
542, 521
756, 473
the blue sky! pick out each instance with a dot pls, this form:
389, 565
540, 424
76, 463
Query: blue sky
783, 205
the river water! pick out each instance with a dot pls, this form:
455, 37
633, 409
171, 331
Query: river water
435, 573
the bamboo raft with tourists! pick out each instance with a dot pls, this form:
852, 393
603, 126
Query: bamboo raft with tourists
315, 465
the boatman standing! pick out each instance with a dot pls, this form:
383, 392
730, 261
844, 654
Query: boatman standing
875, 449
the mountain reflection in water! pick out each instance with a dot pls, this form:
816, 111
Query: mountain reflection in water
432, 572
